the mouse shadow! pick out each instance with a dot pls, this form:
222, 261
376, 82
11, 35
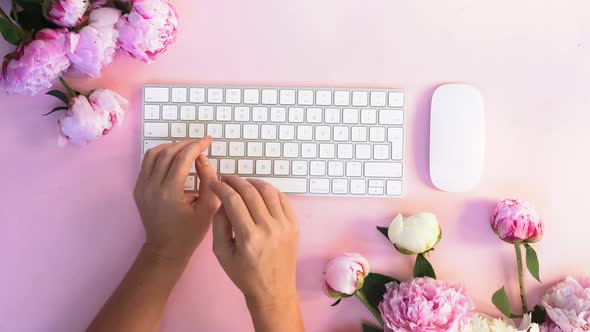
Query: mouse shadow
474, 222
421, 135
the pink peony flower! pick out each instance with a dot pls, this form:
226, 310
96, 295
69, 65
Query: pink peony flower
517, 221
424, 305
37, 64
148, 29
345, 274
88, 119
568, 304
549, 327
95, 44
65, 13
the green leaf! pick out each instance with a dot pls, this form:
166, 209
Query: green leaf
423, 268
336, 303
58, 108
9, 32
502, 302
374, 288
59, 95
383, 230
538, 315
532, 261
369, 328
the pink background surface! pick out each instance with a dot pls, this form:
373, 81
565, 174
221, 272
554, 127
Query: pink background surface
69, 228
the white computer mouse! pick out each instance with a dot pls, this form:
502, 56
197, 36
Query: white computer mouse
457, 137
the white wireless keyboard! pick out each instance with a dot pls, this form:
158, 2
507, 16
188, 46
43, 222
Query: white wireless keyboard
310, 141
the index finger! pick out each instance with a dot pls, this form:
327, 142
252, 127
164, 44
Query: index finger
183, 161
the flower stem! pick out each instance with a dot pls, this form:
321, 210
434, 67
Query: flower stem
364, 300
70, 90
521, 277
21, 33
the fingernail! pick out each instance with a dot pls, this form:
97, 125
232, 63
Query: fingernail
203, 160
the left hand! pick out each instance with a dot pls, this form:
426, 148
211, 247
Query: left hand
175, 222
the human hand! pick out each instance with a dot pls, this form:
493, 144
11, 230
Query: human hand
260, 259
175, 222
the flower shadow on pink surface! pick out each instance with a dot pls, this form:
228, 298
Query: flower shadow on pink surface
420, 138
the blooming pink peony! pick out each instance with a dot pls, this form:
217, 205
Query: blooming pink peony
148, 29
65, 13
95, 44
517, 221
549, 327
424, 305
345, 274
37, 64
91, 118
568, 304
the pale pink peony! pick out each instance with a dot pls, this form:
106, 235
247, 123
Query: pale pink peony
549, 327
88, 119
95, 44
65, 13
37, 64
148, 30
424, 305
345, 274
517, 221
568, 304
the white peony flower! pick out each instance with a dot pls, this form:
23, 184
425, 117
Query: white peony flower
482, 323
416, 234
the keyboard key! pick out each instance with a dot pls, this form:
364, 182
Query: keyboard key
350, 115
381, 151
319, 186
317, 168
291, 150
376, 183
214, 164
250, 131
345, 151
363, 151
327, 151
242, 113
332, 115
287, 97
223, 113
169, 112
324, 98
336, 168
377, 134
178, 130
396, 137
197, 95
179, 95
314, 115
227, 166
359, 134
263, 167
323, 133
153, 129
232, 131
383, 169
305, 133
214, 96
394, 187
342, 98
375, 191
215, 130
340, 186
281, 167
268, 132
358, 186
251, 96
378, 98
189, 183
360, 98
188, 113
233, 96
272, 150
396, 99
151, 143
354, 168
219, 149
278, 114
287, 185
296, 114
340, 133
151, 112
205, 113
368, 116
309, 150
299, 167
237, 149
156, 95
391, 116
196, 130
286, 132
305, 97
245, 167
269, 97
260, 114
254, 149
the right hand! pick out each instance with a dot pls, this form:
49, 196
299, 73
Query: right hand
261, 258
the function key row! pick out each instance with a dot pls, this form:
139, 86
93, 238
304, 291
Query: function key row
254, 96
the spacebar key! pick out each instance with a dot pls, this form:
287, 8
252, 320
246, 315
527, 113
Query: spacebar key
383, 170
287, 185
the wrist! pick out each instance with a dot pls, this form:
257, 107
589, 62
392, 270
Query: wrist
165, 256
269, 301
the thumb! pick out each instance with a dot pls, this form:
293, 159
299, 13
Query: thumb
223, 242
207, 199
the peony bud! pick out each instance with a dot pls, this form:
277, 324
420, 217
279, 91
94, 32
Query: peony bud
345, 274
517, 221
416, 234
65, 13
88, 119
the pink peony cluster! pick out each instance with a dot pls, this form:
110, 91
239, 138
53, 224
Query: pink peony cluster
148, 30
517, 221
345, 274
65, 13
90, 118
424, 305
568, 306
36, 64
